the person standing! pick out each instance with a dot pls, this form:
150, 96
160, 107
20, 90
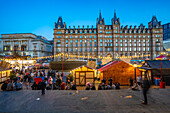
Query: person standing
43, 86
131, 82
145, 86
110, 81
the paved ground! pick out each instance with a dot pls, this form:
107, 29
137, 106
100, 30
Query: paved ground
96, 101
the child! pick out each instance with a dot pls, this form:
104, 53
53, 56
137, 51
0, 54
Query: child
27, 84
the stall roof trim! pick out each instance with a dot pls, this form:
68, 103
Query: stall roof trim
108, 66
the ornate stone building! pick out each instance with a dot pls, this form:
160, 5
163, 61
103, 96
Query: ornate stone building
25, 44
109, 40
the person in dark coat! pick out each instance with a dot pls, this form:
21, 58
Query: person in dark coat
117, 85
110, 81
34, 86
100, 87
131, 82
104, 83
74, 87
4, 86
145, 86
43, 86
93, 87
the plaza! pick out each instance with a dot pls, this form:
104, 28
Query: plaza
115, 101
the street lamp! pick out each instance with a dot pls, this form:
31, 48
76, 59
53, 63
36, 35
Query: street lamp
135, 65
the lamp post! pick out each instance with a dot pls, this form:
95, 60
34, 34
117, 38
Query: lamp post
135, 65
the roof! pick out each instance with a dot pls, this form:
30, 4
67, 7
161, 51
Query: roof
108, 66
84, 66
4, 69
161, 56
156, 64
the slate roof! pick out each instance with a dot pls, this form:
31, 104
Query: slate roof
156, 64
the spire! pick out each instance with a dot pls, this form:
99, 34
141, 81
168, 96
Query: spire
115, 18
100, 16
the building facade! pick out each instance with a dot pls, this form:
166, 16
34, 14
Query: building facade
166, 31
25, 44
109, 40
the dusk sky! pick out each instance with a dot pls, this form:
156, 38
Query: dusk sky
38, 16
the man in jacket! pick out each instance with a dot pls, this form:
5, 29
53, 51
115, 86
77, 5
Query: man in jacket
43, 86
145, 86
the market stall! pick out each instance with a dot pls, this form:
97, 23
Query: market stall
83, 74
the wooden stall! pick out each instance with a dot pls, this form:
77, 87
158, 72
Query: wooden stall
4, 74
83, 74
4, 71
119, 71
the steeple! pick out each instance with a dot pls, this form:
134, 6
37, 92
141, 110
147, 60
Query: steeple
100, 20
115, 18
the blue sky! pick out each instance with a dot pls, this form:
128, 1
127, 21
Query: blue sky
39, 16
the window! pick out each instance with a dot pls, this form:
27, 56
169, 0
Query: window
134, 44
90, 36
100, 27
116, 40
105, 40
85, 41
135, 49
94, 36
105, 44
80, 36
120, 40
71, 49
125, 44
71, 41
144, 44
94, 40
101, 49
90, 41
58, 36
139, 49
71, 36
100, 31
105, 49
71, 45
76, 45
75, 36
81, 50
85, 36
148, 36
116, 36
134, 40
121, 44
139, 36
125, 36
125, 49
135, 36
90, 49
58, 27
143, 40
58, 40
81, 41
85, 32
110, 40
85, 49
139, 40
148, 40
130, 40
143, 49
121, 36
116, 44
130, 44
66, 36
116, 48
129, 31
75, 41
111, 44
101, 44
85, 45
95, 45
100, 36
59, 32
143, 36
125, 40
66, 41
130, 36
90, 45
130, 49
115, 27
80, 45
100, 40
121, 49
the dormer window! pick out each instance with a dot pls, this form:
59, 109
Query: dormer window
58, 27
138, 31
129, 31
